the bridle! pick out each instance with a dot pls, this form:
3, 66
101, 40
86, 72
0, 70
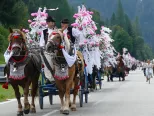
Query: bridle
59, 59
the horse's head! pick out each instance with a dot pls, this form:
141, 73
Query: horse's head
56, 42
17, 42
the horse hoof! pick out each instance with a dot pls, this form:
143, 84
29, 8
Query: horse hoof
66, 112
32, 110
73, 109
20, 113
26, 111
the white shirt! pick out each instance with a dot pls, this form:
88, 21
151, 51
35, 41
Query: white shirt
75, 32
42, 41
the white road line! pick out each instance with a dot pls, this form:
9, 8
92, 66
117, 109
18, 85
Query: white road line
5, 102
97, 102
10, 100
54, 111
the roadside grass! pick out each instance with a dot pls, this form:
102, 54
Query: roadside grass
9, 93
2, 61
6, 94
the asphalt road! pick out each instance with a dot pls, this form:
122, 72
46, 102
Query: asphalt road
134, 97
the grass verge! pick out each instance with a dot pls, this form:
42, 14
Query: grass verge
2, 61
6, 94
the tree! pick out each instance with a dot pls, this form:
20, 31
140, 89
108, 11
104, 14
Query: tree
113, 19
120, 15
129, 27
3, 39
136, 27
122, 40
13, 12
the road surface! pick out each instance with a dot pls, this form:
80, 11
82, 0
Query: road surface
134, 97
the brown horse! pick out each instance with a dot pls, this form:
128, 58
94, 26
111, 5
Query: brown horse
121, 68
23, 70
108, 71
66, 77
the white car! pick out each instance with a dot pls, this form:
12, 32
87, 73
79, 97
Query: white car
2, 77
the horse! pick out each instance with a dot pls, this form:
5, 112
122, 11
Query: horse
108, 71
66, 77
121, 68
23, 69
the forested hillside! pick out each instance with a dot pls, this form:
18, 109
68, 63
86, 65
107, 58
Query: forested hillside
121, 18
143, 9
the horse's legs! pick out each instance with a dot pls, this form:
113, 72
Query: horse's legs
108, 78
94, 80
123, 76
111, 77
75, 92
119, 78
67, 97
33, 93
61, 95
17, 94
26, 102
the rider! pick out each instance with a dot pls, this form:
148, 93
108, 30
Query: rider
149, 70
43, 41
144, 68
73, 34
45, 33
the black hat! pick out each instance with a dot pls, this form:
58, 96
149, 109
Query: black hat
65, 21
50, 19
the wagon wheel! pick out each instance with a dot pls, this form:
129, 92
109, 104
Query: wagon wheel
100, 84
86, 86
51, 99
40, 92
99, 80
81, 97
86, 95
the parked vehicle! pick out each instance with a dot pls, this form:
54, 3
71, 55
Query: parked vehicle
2, 77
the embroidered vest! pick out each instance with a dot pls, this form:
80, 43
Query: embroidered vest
69, 33
45, 33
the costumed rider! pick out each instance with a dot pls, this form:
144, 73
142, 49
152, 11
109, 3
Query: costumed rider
46, 57
73, 34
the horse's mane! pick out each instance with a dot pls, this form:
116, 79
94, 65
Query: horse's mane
22, 34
